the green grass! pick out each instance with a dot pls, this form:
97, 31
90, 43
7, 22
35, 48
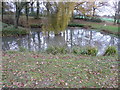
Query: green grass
39, 70
108, 27
99, 27
9, 30
108, 19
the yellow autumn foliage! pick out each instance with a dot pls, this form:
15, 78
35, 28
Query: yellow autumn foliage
59, 20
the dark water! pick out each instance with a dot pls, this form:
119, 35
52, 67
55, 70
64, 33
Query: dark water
38, 41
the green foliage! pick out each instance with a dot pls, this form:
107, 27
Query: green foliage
92, 51
56, 50
75, 51
111, 50
12, 52
76, 25
58, 20
85, 51
22, 49
95, 20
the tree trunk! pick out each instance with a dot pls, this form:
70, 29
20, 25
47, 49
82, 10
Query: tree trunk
17, 14
19, 7
2, 10
32, 10
16, 20
37, 9
115, 19
27, 11
93, 11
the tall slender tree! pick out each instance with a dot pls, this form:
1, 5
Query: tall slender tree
27, 12
38, 7
32, 9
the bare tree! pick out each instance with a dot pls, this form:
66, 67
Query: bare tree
19, 7
115, 6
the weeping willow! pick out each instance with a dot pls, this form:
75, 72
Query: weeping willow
59, 20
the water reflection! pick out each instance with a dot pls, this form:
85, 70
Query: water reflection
37, 41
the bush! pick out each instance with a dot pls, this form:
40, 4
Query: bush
12, 52
56, 50
85, 51
22, 49
75, 25
75, 51
111, 50
92, 51
95, 20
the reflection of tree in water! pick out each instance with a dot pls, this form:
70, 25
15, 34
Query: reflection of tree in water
5, 45
39, 41
78, 37
29, 42
9, 43
55, 41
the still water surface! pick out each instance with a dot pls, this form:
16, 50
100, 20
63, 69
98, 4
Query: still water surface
37, 41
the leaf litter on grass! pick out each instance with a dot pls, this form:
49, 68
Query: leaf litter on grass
58, 70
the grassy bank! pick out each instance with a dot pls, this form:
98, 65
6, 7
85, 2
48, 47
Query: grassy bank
9, 30
103, 26
32, 70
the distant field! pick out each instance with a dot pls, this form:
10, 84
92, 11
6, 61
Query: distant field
108, 19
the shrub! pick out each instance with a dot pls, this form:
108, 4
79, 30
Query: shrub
85, 51
12, 52
111, 50
75, 51
75, 25
92, 51
22, 49
56, 50
95, 20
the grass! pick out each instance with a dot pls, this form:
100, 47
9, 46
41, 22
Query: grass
108, 19
14, 32
39, 70
99, 27
9, 30
108, 27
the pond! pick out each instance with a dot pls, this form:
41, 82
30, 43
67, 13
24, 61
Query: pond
38, 41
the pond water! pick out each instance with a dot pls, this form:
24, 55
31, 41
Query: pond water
38, 41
